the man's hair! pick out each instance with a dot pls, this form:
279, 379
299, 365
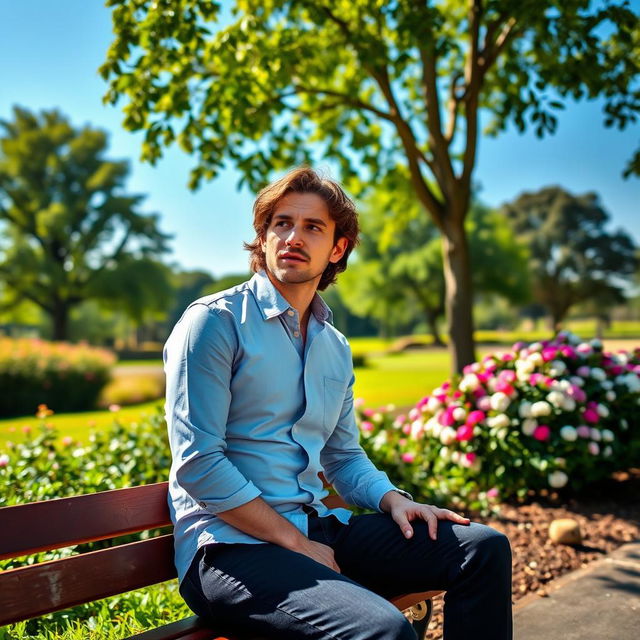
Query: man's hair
342, 211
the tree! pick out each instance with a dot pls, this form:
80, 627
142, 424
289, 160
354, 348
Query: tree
573, 257
69, 230
372, 84
397, 276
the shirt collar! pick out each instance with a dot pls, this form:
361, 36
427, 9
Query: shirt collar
272, 303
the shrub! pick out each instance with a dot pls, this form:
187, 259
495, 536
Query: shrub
64, 376
47, 467
549, 415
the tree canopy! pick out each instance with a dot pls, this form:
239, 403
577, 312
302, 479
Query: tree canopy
372, 84
397, 276
70, 232
574, 258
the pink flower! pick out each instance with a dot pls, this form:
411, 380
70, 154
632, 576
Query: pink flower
446, 418
408, 457
583, 371
568, 352
467, 369
365, 425
26, 429
549, 354
591, 415
577, 393
479, 392
505, 387
492, 493
484, 403
67, 441
368, 412
542, 433
616, 370
474, 417
402, 442
507, 357
406, 429
468, 459
114, 408
535, 378
464, 433
457, 394
508, 375
584, 431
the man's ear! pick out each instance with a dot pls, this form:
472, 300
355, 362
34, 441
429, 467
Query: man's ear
338, 250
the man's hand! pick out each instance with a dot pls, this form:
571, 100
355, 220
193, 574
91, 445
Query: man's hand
317, 551
403, 511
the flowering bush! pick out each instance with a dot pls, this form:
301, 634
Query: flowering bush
551, 414
67, 377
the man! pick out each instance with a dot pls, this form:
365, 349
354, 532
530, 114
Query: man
259, 401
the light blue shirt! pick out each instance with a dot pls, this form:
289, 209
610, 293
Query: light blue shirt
252, 411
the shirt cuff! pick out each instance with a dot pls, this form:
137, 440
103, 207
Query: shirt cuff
376, 490
247, 493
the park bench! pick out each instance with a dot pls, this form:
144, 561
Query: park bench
34, 590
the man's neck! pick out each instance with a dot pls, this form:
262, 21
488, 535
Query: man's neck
298, 295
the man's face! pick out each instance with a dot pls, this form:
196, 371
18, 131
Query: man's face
298, 244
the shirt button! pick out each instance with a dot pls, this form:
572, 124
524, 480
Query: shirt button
291, 313
296, 334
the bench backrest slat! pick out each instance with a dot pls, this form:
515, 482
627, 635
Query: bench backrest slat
31, 591
52, 524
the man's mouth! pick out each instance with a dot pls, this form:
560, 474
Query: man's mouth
293, 257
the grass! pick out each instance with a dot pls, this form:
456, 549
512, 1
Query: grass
76, 425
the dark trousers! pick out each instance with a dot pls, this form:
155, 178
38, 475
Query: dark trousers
265, 590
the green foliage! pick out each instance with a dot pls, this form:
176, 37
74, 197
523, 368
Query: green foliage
573, 256
553, 414
46, 467
69, 231
397, 277
370, 84
60, 375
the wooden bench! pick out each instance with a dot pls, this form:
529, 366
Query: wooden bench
30, 591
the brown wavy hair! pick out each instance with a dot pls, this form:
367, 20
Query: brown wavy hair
305, 180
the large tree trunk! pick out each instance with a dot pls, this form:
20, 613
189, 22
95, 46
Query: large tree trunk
60, 318
459, 293
432, 321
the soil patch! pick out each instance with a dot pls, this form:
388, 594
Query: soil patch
609, 516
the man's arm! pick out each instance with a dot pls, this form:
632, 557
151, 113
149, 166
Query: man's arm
199, 360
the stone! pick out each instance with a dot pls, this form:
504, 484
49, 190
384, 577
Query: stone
565, 531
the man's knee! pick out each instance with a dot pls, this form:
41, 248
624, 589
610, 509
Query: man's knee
391, 626
489, 547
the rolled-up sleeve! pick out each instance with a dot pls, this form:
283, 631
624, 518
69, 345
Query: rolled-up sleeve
346, 465
198, 361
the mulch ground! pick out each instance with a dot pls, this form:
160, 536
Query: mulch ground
609, 516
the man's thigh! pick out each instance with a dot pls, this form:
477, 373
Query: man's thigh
372, 551
268, 591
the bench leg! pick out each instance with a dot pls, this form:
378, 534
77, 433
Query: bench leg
420, 615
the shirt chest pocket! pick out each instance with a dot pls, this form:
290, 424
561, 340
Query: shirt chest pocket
334, 392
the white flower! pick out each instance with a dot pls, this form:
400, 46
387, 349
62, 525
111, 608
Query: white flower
569, 433
607, 451
391, 407
624, 424
414, 414
445, 453
377, 417
596, 344
535, 359
525, 366
593, 448
500, 401
569, 404
632, 381
455, 456
577, 380
540, 408
501, 420
607, 384
557, 368
556, 398
608, 435
459, 414
529, 426
524, 410
610, 396
535, 346
603, 411
470, 382
433, 404
595, 434
4, 460
379, 440
598, 374
558, 479
417, 428
448, 436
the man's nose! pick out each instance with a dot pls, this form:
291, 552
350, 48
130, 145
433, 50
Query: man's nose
294, 237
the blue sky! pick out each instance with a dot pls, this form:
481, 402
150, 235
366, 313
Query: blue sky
49, 55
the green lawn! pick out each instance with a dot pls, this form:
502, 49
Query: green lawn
76, 425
